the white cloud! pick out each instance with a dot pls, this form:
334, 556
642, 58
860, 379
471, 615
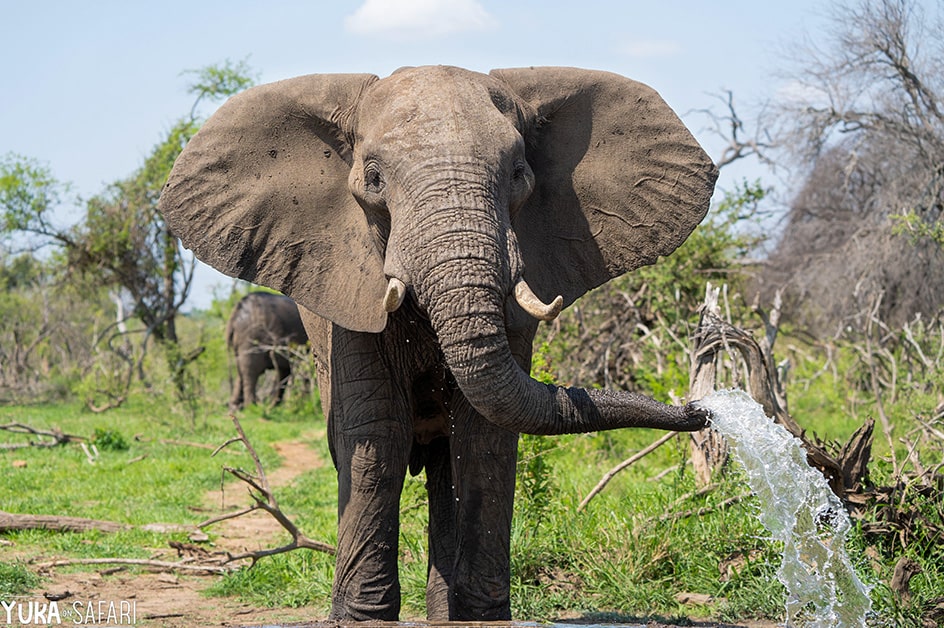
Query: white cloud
646, 48
418, 19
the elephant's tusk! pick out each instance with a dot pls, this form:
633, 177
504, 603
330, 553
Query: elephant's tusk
531, 304
396, 292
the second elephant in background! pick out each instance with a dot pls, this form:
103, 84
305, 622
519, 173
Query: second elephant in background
262, 326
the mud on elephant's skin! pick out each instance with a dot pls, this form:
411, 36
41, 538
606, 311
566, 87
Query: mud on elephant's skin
424, 222
262, 327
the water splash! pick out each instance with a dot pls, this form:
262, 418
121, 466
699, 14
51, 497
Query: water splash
798, 509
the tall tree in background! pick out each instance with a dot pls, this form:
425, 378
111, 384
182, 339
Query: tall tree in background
864, 123
124, 241
121, 243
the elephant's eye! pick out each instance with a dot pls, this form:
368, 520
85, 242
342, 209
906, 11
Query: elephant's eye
519, 171
373, 179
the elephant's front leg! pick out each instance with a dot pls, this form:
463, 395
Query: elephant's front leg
370, 439
236, 396
483, 463
251, 367
442, 530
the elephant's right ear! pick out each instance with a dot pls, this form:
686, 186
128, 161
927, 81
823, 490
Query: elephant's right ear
261, 193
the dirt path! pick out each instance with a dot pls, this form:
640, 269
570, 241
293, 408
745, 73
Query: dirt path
171, 600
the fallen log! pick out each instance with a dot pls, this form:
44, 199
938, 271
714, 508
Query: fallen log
10, 521
58, 523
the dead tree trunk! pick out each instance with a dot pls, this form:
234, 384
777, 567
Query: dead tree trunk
716, 339
709, 451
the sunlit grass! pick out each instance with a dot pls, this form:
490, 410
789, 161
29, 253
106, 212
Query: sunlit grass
165, 474
16, 579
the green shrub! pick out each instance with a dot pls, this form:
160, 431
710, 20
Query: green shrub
109, 440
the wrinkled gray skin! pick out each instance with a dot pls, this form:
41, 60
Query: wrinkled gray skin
259, 330
400, 214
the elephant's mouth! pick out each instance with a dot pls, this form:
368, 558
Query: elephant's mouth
524, 296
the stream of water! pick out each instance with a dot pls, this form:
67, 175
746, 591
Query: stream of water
799, 510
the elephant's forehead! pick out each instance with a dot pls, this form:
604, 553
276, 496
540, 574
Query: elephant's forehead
436, 98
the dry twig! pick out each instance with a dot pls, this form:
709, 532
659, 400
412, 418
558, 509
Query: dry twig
49, 438
264, 499
876, 388
698, 512
626, 463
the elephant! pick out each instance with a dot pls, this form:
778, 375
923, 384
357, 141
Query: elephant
261, 326
425, 223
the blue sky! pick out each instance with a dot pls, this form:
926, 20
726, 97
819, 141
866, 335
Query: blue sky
89, 87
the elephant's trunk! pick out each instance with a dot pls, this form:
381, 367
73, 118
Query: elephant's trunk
478, 354
469, 276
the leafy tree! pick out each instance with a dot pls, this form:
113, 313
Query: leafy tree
121, 243
217, 81
30, 195
124, 241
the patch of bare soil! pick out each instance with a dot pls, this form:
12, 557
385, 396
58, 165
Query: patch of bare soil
155, 600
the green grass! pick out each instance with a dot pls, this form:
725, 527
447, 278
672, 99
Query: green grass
622, 554
162, 475
16, 579
620, 557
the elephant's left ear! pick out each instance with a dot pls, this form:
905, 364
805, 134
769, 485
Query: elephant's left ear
619, 180
261, 193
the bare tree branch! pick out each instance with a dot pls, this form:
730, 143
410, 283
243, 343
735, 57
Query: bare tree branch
862, 121
264, 499
730, 127
51, 438
609, 475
